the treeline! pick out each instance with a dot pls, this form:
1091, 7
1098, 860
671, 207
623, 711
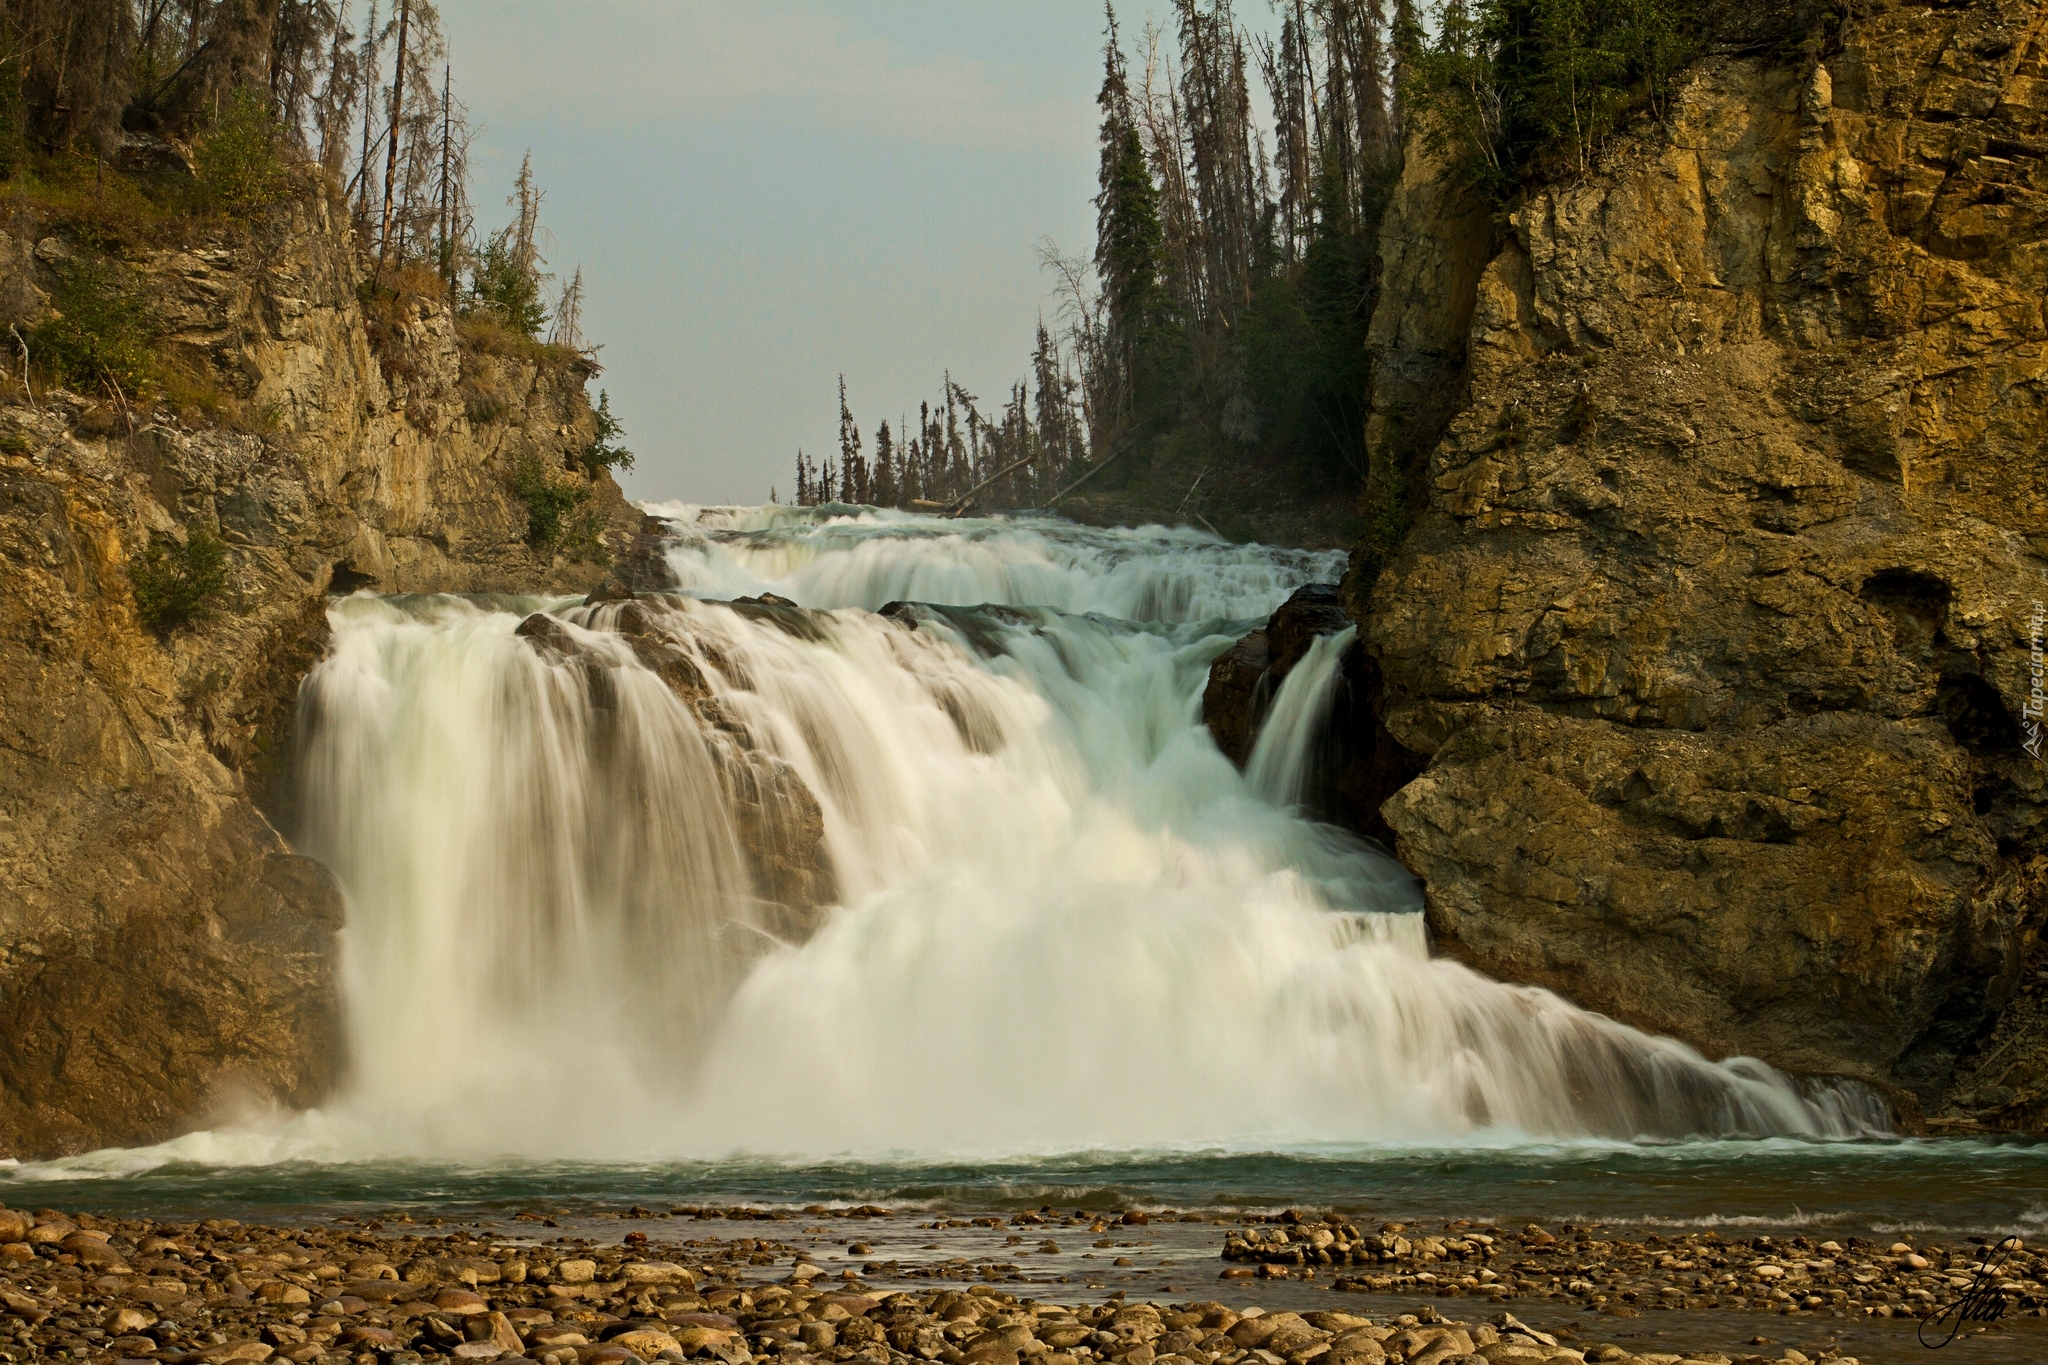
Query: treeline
1020, 458
1221, 322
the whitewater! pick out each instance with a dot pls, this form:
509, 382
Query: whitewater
1064, 922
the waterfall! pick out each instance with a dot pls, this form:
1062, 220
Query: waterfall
1061, 919
1283, 759
868, 558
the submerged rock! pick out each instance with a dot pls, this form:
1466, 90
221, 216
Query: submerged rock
776, 818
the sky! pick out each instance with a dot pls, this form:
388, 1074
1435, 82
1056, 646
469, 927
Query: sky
765, 194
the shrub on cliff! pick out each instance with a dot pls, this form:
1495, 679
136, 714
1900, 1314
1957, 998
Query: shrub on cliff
236, 168
506, 278
607, 451
556, 518
1501, 86
101, 330
176, 585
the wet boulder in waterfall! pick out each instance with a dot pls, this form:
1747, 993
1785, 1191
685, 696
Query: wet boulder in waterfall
1362, 765
1233, 699
779, 612
660, 655
558, 646
1242, 683
781, 829
902, 613
776, 819
644, 567
1312, 610
549, 636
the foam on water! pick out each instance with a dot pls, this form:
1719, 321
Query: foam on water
1066, 924
866, 557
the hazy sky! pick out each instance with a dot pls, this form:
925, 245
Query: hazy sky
763, 195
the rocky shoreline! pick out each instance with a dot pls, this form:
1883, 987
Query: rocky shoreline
1887, 1278
89, 1289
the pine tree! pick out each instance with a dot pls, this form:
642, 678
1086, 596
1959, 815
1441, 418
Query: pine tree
909, 465
1129, 241
929, 478
1054, 416
853, 469
885, 467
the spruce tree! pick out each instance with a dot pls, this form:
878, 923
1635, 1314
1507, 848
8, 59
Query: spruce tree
885, 467
1129, 241
853, 469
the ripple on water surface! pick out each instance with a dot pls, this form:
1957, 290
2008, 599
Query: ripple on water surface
1928, 1188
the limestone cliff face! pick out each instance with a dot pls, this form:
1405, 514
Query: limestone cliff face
1719, 626
165, 958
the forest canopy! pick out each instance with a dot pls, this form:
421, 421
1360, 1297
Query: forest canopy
229, 107
1220, 324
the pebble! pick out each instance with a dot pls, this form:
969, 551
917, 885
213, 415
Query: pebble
222, 1293
1622, 1276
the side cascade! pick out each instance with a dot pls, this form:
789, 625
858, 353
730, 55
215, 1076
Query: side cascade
1006, 895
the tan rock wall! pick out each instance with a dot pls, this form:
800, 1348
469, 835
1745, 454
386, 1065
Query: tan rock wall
164, 956
1716, 620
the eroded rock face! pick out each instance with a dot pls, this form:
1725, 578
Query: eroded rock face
164, 957
1716, 623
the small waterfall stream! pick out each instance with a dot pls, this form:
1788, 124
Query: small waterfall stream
1063, 920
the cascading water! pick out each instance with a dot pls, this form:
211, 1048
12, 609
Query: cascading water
1064, 920
873, 558
1283, 759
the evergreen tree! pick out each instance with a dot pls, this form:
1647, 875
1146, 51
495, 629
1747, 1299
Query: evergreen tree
884, 467
1054, 416
1129, 242
853, 469
908, 465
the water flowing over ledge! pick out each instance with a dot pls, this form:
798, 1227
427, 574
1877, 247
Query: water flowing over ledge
1064, 921
865, 557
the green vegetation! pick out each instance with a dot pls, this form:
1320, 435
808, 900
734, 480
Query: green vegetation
556, 515
606, 451
1509, 87
505, 277
236, 167
101, 330
501, 286
176, 585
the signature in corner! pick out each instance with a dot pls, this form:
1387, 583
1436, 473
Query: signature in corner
1983, 1301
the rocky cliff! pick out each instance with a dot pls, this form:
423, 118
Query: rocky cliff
164, 955
1718, 624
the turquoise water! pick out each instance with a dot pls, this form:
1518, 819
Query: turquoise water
1931, 1188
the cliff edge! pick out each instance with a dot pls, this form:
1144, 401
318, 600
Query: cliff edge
165, 958
1719, 624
